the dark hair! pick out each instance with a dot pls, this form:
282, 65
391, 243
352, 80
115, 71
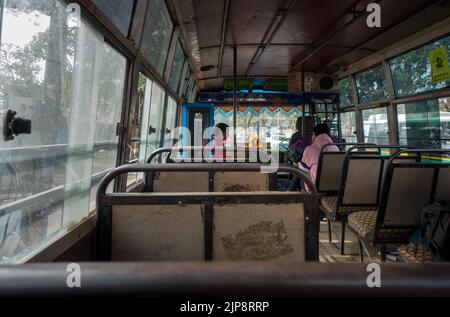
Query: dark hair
223, 127
299, 123
322, 128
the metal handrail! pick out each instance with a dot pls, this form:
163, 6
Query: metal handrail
203, 167
417, 151
379, 147
344, 144
199, 148
262, 279
41, 199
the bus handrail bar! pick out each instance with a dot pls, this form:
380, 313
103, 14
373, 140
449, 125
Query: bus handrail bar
417, 151
343, 144
189, 167
193, 148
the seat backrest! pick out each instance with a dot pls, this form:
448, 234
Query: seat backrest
265, 226
173, 182
240, 182
408, 189
196, 226
361, 180
443, 184
329, 172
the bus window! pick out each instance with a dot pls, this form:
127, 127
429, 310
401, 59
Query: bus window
425, 124
376, 126
370, 85
348, 126
70, 83
170, 124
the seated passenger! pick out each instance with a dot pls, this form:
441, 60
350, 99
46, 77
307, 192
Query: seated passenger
219, 140
297, 143
312, 152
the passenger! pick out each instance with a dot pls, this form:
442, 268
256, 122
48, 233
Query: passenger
219, 140
312, 152
297, 143
294, 153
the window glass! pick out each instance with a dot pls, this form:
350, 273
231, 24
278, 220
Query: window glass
109, 109
187, 84
191, 87
140, 115
370, 85
348, 126
157, 35
118, 11
183, 75
376, 126
411, 72
58, 75
177, 68
346, 96
267, 124
425, 124
171, 117
156, 119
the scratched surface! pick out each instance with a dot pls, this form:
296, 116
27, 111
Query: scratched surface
157, 233
174, 182
240, 182
259, 232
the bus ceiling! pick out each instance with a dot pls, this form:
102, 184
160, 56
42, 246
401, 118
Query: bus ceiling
275, 38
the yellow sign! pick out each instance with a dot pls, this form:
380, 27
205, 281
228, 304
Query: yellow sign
440, 70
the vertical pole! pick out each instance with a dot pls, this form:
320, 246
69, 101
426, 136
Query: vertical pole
235, 93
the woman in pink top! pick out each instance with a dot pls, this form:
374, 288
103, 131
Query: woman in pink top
312, 152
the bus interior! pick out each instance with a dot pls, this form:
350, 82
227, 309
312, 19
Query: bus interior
147, 143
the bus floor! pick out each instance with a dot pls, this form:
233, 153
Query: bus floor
329, 251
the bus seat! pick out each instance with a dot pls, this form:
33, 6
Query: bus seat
197, 226
172, 182
359, 190
177, 230
400, 207
240, 182
407, 188
269, 232
329, 172
443, 185
157, 233
407, 196
362, 181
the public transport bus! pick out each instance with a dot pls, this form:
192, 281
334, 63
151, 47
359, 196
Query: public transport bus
224, 147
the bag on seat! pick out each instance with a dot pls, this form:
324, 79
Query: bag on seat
435, 229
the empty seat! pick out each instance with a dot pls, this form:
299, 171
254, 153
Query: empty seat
408, 187
329, 172
225, 226
358, 190
172, 182
204, 181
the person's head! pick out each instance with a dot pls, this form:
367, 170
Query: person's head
299, 124
322, 128
223, 128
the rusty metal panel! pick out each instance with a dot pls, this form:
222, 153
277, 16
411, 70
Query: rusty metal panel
157, 233
261, 232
